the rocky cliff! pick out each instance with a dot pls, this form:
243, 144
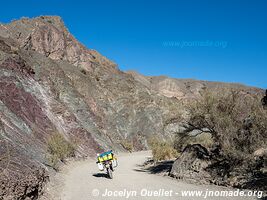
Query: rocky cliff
52, 83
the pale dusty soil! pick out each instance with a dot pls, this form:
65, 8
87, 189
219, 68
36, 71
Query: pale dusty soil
82, 181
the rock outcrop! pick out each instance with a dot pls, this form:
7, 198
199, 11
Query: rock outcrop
199, 165
264, 100
191, 165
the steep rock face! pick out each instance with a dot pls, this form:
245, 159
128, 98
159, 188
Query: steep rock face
49, 36
107, 92
51, 83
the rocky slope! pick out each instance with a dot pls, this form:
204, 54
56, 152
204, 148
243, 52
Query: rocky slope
185, 89
51, 83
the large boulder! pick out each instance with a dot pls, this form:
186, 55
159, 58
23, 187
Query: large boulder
198, 165
191, 165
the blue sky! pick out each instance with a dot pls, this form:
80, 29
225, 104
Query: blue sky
222, 40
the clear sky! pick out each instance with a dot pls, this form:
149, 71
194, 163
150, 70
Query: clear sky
219, 40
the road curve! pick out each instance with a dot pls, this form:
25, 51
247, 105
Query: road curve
83, 181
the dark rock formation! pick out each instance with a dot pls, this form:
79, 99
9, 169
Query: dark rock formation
21, 177
198, 165
191, 165
264, 100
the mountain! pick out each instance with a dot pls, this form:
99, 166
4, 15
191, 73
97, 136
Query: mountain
185, 89
50, 83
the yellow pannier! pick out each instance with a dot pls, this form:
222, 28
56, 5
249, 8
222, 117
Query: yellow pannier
105, 156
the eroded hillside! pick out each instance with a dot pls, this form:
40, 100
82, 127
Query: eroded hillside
51, 83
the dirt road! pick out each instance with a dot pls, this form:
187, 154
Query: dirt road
83, 181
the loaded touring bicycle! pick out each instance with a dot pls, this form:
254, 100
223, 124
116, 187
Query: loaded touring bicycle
107, 161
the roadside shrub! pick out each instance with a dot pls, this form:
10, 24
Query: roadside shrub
162, 150
127, 145
204, 139
235, 120
59, 149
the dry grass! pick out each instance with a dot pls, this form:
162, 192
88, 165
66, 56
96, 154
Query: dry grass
162, 150
59, 149
128, 145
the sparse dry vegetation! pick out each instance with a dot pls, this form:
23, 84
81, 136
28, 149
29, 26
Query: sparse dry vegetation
232, 126
59, 149
236, 121
128, 145
205, 139
162, 150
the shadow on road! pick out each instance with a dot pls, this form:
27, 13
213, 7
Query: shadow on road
101, 175
161, 167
